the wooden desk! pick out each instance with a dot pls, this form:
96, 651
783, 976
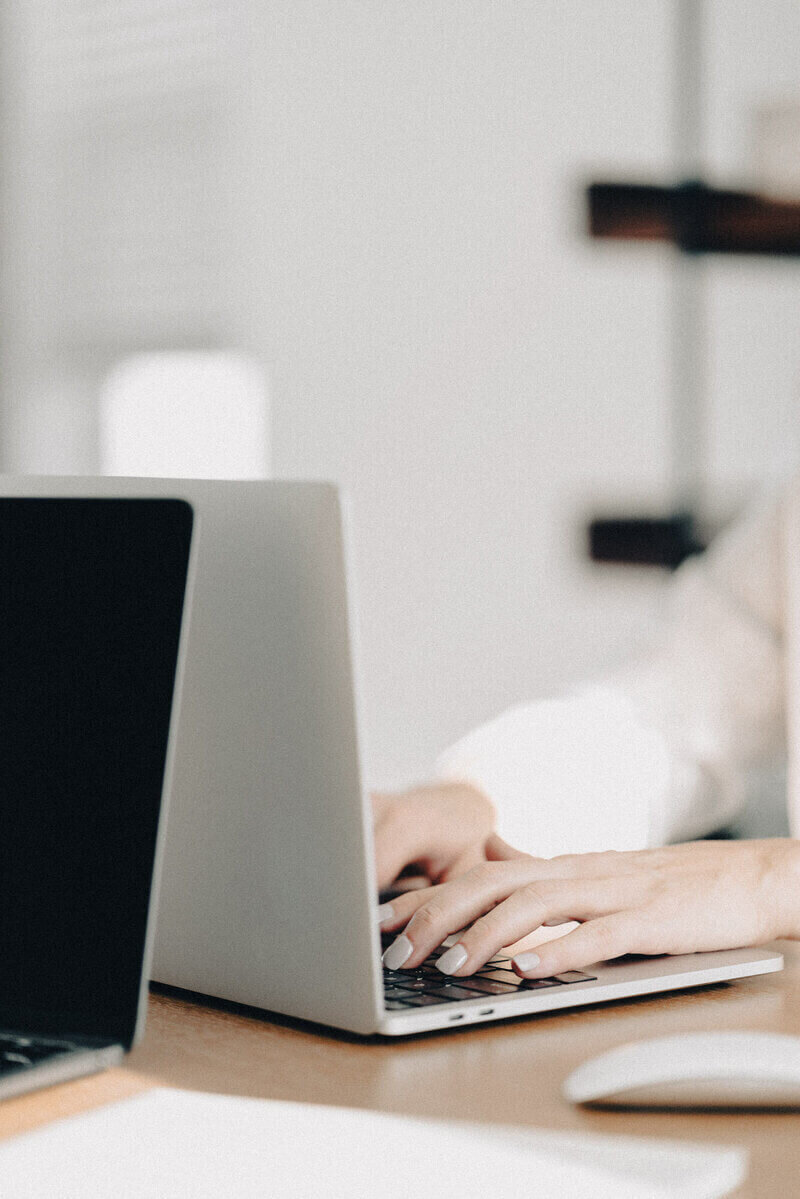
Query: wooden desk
502, 1073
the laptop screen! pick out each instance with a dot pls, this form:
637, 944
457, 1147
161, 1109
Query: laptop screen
91, 600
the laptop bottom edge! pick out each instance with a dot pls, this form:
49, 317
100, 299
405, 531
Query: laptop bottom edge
613, 981
63, 1068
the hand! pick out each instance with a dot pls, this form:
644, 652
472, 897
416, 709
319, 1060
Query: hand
700, 896
441, 830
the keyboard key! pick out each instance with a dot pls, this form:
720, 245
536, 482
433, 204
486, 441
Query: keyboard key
397, 993
487, 986
20, 1052
393, 1005
455, 992
538, 984
575, 976
15, 1057
499, 976
473, 983
48, 1045
423, 1000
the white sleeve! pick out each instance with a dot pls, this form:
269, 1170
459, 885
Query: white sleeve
660, 751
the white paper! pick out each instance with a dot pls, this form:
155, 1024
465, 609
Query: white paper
168, 1144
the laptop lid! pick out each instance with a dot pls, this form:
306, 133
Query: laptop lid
267, 892
91, 602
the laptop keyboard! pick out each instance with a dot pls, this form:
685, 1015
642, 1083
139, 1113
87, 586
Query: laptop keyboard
425, 986
20, 1053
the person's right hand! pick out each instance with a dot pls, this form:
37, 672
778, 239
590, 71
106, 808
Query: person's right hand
690, 898
440, 831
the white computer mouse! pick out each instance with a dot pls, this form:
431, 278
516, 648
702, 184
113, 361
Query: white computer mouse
716, 1069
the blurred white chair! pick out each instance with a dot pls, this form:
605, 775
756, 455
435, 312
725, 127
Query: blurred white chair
187, 414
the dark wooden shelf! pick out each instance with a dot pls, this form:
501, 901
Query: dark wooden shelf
696, 218
650, 540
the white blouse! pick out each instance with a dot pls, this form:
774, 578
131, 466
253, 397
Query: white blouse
659, 751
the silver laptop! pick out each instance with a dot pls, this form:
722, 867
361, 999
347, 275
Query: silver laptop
268, 893
91, 600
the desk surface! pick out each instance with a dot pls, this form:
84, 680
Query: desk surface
499, 1073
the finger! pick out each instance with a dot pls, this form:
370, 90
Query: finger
498, 850
399, 910
570, 865
596, 941
380, 801
609, 863
542, 902
398, 844
449, 907
468, 860
434, 914
411, 882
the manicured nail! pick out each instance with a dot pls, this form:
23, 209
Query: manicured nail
526, 961
453, 960
385, 912
398, 952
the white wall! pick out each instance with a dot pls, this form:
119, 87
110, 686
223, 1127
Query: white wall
382, 201
752, 59
443, 339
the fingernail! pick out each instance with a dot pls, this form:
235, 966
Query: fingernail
453, 960
385, 912
526, 961
398, 952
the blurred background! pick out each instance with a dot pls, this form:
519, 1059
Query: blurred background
352, 241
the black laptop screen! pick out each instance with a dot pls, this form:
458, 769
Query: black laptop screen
91, 599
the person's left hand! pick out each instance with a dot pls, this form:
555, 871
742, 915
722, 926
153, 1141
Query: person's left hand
703, 895
438, 831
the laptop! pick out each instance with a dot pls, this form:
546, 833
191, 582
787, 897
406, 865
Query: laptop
268, 895
92, 593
